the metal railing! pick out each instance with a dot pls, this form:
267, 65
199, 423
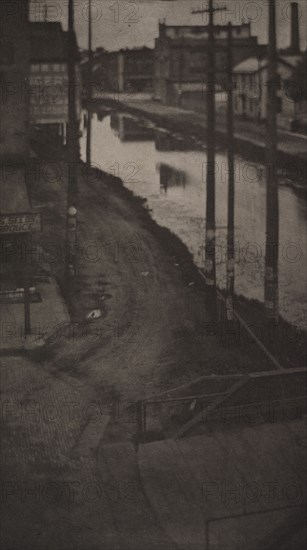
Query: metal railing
264, 408
142, 406
210, 521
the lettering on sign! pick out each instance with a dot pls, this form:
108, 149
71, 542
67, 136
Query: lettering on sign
20, 223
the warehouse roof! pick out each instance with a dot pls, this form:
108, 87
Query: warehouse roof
249, 65
254, 64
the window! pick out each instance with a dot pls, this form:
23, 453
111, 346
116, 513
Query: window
197, 63
35, 68
278, 81
45, 68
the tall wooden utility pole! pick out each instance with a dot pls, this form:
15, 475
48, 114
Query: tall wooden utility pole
210, 264
72, 134
72, 148
210, 267
230, 265
272, 214
89, 88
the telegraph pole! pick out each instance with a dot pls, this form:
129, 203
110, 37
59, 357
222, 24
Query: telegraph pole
272, 214
89, 88
72, 141
231, 185
210, 264
210, 267
72, 148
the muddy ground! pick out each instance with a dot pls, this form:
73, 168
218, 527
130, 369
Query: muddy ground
66, 399
152, 331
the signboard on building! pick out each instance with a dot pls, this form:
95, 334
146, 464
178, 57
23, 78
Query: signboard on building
20, 223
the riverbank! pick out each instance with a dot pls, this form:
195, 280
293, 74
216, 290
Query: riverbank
141, 277
249, 139
63, 401
150, 295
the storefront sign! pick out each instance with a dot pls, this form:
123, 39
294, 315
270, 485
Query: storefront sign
20, 223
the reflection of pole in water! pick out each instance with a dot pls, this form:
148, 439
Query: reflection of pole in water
164, 173
170, 177
181, 61
231, 190
89, 87
272, 214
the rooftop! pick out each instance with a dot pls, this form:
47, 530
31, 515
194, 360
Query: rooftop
254, 64
204, 27
249, 65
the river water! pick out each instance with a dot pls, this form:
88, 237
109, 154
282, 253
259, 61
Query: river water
170, 174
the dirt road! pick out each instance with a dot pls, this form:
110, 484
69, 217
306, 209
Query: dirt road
59, 401
151, 334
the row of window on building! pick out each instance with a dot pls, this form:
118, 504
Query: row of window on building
48, 67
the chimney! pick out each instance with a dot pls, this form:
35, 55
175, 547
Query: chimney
295, 41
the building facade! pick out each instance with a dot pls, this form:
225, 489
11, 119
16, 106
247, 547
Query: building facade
123, 71
252, 88
49, 78
17, 219
14, 80
181, 58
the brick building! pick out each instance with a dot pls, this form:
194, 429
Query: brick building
49, 77
126, 70
17, 219
181, 58
251, 83
251, 90
14, 73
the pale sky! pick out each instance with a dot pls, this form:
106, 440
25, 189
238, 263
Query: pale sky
122, 24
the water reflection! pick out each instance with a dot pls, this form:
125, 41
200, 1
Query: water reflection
167, 142
170, 177
182, 209
102, 114
127, 128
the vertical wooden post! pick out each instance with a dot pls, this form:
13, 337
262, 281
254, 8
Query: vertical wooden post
210, 266
272, 213
26, 284
72, 144
27, 304
72, 134
141, 421
89, 88
231, 185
